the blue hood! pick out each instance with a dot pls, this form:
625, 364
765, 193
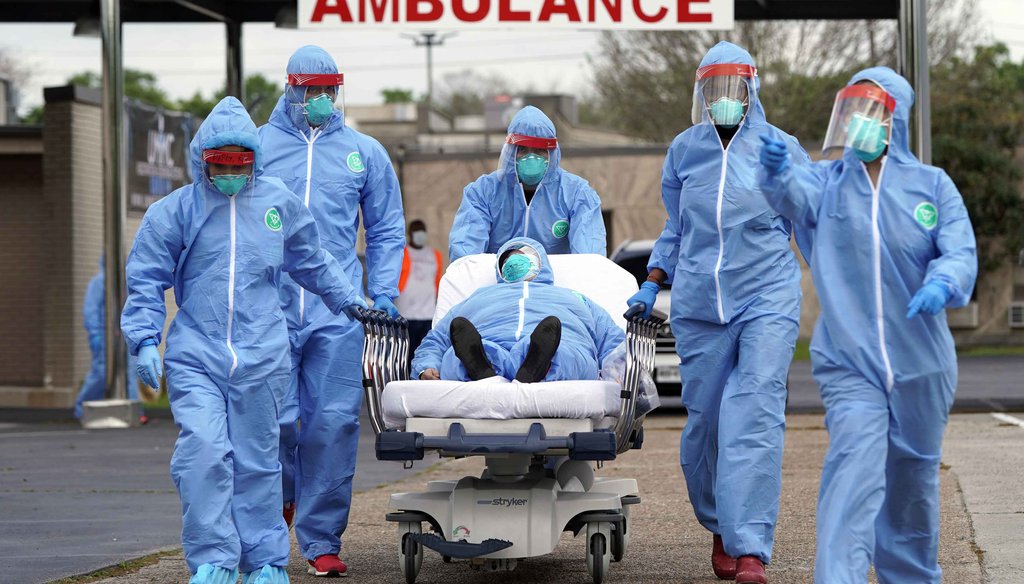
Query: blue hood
900, 90
546, 276
228, 124
309, 59
726, 52
530, 121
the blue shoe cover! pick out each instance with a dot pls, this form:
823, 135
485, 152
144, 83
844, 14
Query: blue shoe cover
266, 575
210, 574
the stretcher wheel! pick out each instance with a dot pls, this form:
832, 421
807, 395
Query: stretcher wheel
620, 539
598, 556
410, 552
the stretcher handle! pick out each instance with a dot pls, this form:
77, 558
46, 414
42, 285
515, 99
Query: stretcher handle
636, 309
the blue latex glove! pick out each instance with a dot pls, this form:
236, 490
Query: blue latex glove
774, 156
647, 295
149, 366
385, 304
930, 299
357, 303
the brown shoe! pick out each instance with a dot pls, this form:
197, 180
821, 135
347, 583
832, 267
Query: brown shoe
750, 570
723, 565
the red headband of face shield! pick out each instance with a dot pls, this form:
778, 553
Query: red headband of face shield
316, 79
532, 141
869, 92
724, 69
211, 156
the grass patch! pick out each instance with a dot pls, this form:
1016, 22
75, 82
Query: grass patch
991, 351
803, 351
122, 569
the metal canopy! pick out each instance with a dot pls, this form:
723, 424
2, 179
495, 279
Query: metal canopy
267, 10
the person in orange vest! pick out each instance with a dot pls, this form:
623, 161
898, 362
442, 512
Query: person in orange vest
417, 286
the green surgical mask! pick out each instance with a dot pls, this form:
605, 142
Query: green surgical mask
866, 137
727, 112
318, 109
531, 169
518, 268
230, 184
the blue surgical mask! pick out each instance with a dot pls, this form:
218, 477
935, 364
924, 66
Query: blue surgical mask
727, 112
866, 136
318, 109
518, 268
230, 184
531, 169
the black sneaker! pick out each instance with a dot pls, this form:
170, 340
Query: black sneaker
543, 343
469, 348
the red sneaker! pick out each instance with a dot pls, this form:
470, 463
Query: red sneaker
750, 570
289, 514
723, 564
327, 566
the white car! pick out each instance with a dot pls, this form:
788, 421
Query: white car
633, 256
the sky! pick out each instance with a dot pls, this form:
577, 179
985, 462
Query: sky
191, 57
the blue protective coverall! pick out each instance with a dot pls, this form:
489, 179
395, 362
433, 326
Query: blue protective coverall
887, 382
94, 312
564, 214
506, 313
227, 357
735, 316
337, 172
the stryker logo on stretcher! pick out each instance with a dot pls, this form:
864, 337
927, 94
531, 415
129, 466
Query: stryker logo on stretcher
503, 502
497, 14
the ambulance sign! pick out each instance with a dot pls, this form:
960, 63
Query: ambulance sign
517, 14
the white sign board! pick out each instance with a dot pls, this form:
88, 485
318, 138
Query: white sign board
517, 14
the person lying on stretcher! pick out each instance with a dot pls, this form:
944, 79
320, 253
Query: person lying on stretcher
523, 327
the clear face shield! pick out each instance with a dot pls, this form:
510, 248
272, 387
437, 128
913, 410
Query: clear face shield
528, 156
317, 95
721, 94
229, 169
861, 121
519, 263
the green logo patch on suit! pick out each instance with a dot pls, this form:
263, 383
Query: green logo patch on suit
560, 228
355, 162
273, 219
926, 215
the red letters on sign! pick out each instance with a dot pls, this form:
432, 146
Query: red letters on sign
459, 9
413, 13
566, 7
658, 16
686, 16
325, 7
378, 8
506, 14
614, 8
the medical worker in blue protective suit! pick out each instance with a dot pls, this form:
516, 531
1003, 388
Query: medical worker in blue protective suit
222, 243
336, 172
528, 196
892, 246
512, 319
735, 312
94, 312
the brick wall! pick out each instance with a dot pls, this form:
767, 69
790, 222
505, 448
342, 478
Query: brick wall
23, 230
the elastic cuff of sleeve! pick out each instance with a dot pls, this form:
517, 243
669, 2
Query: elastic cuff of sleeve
149, 342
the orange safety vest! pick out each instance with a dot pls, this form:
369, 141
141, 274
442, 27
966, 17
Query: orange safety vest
407, 266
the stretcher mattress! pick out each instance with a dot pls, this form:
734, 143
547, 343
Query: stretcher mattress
499, 399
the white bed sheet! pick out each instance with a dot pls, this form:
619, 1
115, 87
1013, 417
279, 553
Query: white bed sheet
499, 399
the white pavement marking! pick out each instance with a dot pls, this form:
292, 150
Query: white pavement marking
1008, 419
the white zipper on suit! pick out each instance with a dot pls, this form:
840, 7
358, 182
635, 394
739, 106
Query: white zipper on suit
231, 290
522, 309
721, 236
876, 239
313, 135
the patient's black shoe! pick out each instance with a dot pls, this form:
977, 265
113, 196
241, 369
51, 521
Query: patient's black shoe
543, 343
469, 348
